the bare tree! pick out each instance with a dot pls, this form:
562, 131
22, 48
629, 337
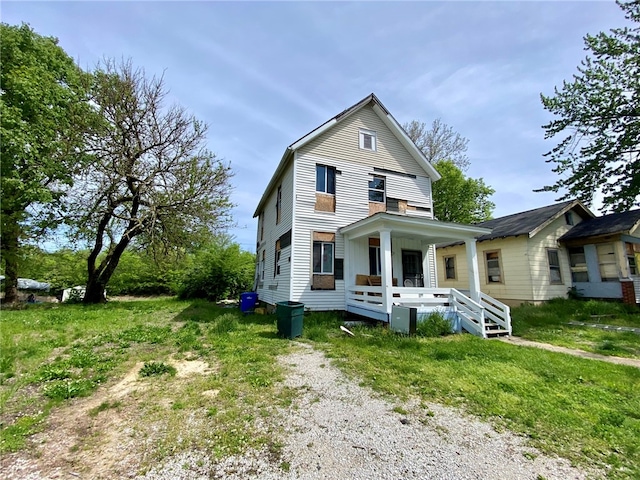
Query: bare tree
440, 142
151, 180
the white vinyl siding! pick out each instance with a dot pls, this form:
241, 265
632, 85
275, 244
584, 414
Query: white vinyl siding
342, 142
275, 288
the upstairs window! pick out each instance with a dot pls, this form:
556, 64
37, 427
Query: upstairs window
278, 204
568, 218
325, 179
555, 277
368, 140
376, 190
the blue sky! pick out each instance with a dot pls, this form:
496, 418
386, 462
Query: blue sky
262, 74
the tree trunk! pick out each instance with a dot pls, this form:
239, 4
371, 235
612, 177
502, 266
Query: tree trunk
10, 234
99, 277
95, 291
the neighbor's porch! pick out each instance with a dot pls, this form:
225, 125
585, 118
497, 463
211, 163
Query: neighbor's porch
390, 260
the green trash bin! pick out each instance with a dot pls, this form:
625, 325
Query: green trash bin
290, 315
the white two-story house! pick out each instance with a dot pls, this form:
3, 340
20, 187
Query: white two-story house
346, 223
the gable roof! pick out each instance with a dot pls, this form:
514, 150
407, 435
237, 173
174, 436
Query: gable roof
384, 115
530, 222
605, 225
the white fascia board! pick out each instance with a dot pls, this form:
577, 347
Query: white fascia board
313, 134
416, 225
415, 152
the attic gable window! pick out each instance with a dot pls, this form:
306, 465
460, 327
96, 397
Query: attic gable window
368, 140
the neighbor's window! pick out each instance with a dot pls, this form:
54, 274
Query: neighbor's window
493, 267
450, 268
368, 140
376, 190
325, 179
568, 218
323, 257
631, 258
553, 256
578, 263
607, 262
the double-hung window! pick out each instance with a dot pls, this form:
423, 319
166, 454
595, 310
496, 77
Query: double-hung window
578, 263
368, 140
494, 274
555, 277
323, 258
325, 179
278, 204
376, 190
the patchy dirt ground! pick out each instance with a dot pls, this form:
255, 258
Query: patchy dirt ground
80, 443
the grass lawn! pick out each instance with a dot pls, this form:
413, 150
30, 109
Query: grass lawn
584, 410
549, 323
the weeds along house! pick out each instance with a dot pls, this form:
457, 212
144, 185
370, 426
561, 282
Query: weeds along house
346, 223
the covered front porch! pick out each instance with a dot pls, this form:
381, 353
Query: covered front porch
396, 255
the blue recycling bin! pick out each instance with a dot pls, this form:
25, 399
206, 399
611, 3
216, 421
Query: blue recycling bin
248, 301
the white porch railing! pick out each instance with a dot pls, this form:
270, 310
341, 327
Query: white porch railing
496, 311
367, 301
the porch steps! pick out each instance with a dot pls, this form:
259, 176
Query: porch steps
494, 330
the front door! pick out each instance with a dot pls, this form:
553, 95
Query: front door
412, 275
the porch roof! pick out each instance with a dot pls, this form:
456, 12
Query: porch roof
401, 225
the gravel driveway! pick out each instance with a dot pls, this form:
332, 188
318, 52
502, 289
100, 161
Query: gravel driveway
336, 429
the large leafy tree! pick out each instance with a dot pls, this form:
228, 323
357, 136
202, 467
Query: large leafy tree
599, 112
439, 142
151, 182
456, 198
44, 116
460, 199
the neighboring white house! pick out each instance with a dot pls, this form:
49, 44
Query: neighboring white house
346, 223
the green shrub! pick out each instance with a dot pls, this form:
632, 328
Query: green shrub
435, 325
225, 323
157, 368
220, 271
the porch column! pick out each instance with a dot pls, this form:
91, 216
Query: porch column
427, 267
472, 266
386, 274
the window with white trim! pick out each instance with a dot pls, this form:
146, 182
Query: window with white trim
323, 257
368, 140
376, 189
631, 258
278, 204
555, 276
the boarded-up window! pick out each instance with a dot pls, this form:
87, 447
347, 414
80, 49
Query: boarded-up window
323, 261
494, 274
555, 276
450, 268
578, 263
607, 262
